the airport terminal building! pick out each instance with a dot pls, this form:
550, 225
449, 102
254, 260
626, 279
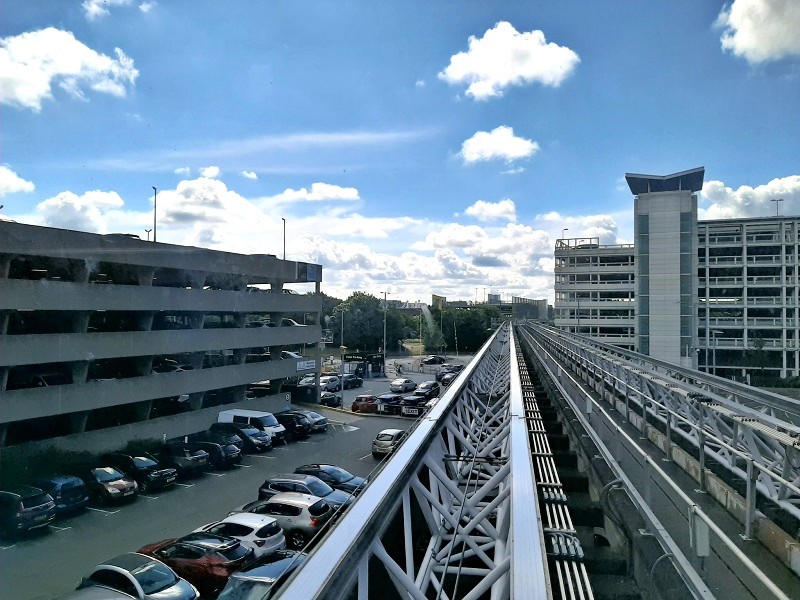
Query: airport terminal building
719, 295
106, 331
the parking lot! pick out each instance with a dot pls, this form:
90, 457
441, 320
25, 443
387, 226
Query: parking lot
49, 564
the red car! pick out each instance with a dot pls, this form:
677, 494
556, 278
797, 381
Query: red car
364, 403
204, 559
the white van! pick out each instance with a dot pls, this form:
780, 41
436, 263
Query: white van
265, 421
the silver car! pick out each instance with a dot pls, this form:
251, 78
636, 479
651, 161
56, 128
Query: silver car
301, 516
143, 577
386, 442
402, 385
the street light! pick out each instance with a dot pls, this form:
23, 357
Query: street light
155, 209
385, 307
777, 202
284, 238
564, 232
148, 234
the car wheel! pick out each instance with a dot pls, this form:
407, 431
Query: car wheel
297, 539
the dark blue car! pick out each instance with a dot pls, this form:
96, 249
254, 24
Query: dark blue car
68, 492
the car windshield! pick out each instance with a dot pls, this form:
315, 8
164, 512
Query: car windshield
246, 589
339, 475
36, 500
385, 437
154, 577
251, 431
234, 553
319, 488
143, 462
318, 508
312, 415
106, 474
269, 421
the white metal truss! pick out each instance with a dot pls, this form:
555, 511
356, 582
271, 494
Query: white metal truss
753, 434
450, 515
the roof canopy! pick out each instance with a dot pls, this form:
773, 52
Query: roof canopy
691, 180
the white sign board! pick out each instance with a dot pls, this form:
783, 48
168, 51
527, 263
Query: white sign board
305, 365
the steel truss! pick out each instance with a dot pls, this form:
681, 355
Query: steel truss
450, 515
751, 433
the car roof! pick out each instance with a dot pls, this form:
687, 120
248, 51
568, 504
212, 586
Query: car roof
24, 491
96, 592
246, 518
129, 561
207, 540
270, 567
427, 384
294, 498
391, 431
291, 477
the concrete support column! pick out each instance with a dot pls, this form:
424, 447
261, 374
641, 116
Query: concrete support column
239, 356
144, 365
3, 378
144, 320
79, 370
4, 316
196, 400
78, 421
5, 265
3, 433
196, 279
80, 272
240, 319
80, 321
196, 360
238, 393
145, 276
196, 320
142, 410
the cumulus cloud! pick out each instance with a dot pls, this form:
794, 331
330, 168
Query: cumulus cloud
86, 212
249, 175
209, 171
504, 57
604, 227
204, 200
182, 171
11, 183
420, 83
761, 30
146, 7
31, 62
97, 9
499, 143
746, 201
320, 192
488, 211
452, 235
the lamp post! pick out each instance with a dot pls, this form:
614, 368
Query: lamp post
155, 210
777, 202
714, 334
284, 238
148, 234
385, 307
564, 231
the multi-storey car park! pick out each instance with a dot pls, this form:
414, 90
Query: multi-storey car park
719, 295
99, 332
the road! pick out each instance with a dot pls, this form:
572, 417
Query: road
51, 563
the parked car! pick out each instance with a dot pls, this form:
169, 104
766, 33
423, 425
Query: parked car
220, 456
330, 383
143, 468
301, 516
257, 418
448, 378
307, 381
364, 403
428, 389
24, 508
140, 576
96, 592
386, 442
259, 532
297, 426
253, 440
433, 359
287, 322
219, 436
188, 462
304, 484
319, 423
206, 560
105, 483
412, 406
291, 355
402, 385
262, 576
448, 368
351, 381
330, 399
334, 476
68, 492
388, 404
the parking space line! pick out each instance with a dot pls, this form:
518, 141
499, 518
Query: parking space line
261, 456
184, 484
107, 512
365, 456
216, 474
60, 528
240, 466
7, 547
148, 497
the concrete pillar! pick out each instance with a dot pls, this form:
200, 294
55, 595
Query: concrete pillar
5, 265
144, 320
239, 355
196, 400
80, 370
196, 320
80, 272
145, 276
3, 378
239, 319
144, 365
3, 432
78, 421
196, 279
4, 316
80, 321
141, 410
196, 360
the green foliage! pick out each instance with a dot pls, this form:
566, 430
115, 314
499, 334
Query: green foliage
363, 324
471, 326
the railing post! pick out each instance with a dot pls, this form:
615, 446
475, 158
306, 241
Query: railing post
668, 458
750, 515
701, 442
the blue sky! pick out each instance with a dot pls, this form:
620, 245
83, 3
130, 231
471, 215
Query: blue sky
413, 147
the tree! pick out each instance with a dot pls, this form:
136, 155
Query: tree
363, 324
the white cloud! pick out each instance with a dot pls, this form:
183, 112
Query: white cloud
86, 212
320, 192
452, 235
11, 183
211, 171
504, 57
497, 143
487, 211
96, 9
761, 30
249, 175
746, 201
146, 7
420, 83
604, 227
31, 62
514, 171
182, 171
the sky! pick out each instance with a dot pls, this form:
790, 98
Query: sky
414, 147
